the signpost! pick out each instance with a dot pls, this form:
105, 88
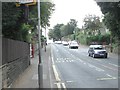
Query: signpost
25, 2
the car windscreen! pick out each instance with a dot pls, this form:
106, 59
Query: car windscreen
98, 48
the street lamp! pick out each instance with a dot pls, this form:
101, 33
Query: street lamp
40, 68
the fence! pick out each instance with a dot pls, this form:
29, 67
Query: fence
15, 59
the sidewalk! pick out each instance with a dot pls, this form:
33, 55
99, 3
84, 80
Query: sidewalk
29, 78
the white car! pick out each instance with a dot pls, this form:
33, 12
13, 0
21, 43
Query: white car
97, 51
58, 42
65, 43
73, 44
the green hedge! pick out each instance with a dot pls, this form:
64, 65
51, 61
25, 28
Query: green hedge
99, 39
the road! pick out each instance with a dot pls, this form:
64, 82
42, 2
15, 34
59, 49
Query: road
73, 68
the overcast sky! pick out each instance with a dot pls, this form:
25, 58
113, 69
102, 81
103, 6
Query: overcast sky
73, 9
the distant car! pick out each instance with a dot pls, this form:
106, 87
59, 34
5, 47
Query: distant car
65, 43
97, 51
58, 42
73, 44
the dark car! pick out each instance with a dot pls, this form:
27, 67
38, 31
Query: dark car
97, 51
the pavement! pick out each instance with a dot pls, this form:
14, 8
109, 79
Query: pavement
29, 78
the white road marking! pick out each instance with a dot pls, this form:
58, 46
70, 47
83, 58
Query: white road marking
109, 67
72, 60
67, 61
56, 73
63, 84
109, 78
113, 64
69, 81
58, 85
92, 66
53, 61
109, 75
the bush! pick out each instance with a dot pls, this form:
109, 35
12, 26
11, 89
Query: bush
99, 39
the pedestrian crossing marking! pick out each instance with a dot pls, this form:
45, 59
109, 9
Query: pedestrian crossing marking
63, 61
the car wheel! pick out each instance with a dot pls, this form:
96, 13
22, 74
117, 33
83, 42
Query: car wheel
89, 54
105, 56
93, 55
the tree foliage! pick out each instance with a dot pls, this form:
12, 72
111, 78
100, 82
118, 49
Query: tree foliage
46, 10
61, 30
111, 11
13, 19
92, 23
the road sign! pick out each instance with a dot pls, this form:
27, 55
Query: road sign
26, 2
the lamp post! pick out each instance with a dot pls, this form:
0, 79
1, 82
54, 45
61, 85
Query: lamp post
40, 68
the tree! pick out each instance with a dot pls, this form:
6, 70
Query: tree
111, 11
11, 15
13, 19
71, 26
51, 34
46, 10
92, 23
57, 31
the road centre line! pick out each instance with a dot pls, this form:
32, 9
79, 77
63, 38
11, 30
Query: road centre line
98, 69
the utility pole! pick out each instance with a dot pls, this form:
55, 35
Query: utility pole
40, 68
45, 39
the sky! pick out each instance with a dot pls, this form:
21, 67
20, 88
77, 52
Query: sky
73, 9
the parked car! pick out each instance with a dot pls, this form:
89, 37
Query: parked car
97, 51
73, 44
65, 43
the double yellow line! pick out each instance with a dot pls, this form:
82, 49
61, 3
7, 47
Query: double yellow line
59, 84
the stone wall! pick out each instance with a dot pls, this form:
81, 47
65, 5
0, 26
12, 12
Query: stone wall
15, 59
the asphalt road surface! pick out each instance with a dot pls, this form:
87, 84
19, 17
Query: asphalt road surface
73, 68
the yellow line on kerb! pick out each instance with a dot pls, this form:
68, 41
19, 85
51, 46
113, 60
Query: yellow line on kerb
56, 74
59, 84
